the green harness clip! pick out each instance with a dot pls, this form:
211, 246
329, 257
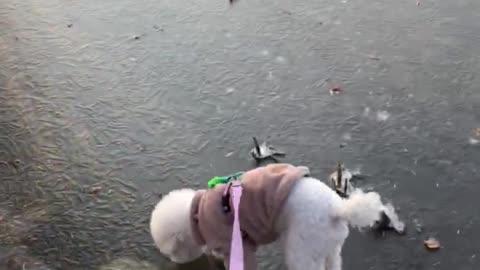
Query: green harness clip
223, 179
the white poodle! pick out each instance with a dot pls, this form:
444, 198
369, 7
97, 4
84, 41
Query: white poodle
312, 222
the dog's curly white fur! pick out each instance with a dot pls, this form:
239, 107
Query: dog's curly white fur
313, 224
170, 227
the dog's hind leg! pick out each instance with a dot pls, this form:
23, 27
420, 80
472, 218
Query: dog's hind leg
303, 249
334, 260
299, 259
309, 233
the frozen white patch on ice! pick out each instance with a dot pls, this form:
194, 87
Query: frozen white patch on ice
383, 116
265, 52
366, 111
347, 136
473, 141
230, 90
280, 59
270, 76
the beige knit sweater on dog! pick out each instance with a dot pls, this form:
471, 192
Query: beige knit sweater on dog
265, 190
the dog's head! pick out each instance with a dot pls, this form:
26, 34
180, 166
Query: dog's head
170, 227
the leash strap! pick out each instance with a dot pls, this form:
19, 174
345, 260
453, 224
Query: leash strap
236, 249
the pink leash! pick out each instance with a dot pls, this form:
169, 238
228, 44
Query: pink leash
236, 249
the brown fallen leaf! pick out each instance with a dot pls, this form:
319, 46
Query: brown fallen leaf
432, 244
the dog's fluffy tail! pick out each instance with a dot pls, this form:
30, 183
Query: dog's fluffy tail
361, 209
